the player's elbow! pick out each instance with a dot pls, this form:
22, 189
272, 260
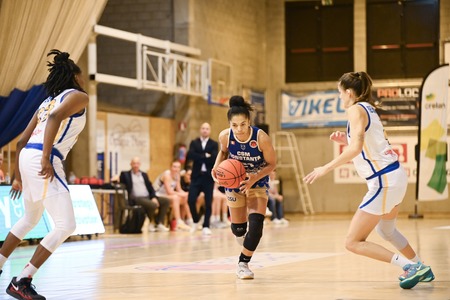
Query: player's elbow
355, 149
21, 143
55, 117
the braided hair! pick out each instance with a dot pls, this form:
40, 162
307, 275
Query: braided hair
62, 74
238, 106
361, 84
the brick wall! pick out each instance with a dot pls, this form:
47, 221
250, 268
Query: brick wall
233, 31
152, 18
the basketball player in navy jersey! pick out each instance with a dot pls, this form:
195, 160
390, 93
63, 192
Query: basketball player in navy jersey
253, 147
39, 172
387, 181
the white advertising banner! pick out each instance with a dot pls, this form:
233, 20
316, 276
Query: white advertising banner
87, 217
432, 171
317, 109
127, 137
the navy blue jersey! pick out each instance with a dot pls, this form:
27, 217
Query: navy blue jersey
249, 154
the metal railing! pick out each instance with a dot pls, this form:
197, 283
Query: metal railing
160, 65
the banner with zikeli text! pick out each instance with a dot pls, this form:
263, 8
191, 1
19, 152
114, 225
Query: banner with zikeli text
315, 109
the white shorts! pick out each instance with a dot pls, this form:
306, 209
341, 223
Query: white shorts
34, 186
385, 192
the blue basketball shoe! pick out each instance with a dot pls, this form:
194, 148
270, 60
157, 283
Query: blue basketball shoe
428, 278
414, 274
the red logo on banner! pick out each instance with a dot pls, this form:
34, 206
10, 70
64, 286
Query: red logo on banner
344, 173
402, 151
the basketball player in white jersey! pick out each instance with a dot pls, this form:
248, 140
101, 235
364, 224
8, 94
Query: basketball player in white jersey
374, 160
39, 173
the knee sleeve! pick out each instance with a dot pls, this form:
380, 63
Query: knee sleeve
255, 231
239, 229
23, 226
33, 213
387, 230
61, 211
58, 235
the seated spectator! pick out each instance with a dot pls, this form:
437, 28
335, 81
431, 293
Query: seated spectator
185, 179
141, 192
275, 202
168, 185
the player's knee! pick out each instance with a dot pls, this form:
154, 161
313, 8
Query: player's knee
23, 226
239, 229
388, 231
256, 223
384, 232
54, 239
353, 245
29, 224
70, 228
255, 232
66, 227
350, 246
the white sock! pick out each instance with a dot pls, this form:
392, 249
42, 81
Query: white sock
2, 261
400, 261
28, 271
224, 217
416, 259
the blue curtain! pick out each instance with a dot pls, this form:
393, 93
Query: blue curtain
16, 111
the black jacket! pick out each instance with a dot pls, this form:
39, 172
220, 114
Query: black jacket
198, 156
125, 178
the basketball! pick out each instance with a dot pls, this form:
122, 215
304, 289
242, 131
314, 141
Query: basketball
230, 173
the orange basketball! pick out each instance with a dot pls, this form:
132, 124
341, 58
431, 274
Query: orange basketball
230, 173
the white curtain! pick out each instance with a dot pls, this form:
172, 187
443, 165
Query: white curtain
29, 29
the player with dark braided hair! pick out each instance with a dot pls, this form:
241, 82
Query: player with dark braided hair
253, 147
39, 173
62, 72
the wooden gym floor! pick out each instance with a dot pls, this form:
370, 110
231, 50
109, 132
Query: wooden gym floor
305, 260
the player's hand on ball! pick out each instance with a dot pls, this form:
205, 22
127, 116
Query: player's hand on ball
16, 189
247, 183
214, 176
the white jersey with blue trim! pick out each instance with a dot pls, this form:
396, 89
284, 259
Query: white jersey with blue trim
377, 153
69, 129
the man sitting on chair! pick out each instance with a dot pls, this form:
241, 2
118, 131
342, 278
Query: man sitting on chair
140, 192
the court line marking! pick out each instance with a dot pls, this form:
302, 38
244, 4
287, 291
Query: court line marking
218, 265
442, 228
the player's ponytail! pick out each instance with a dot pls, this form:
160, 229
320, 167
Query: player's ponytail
361, 84
238, 106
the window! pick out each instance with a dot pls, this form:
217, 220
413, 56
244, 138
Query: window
402, 38
319, 40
